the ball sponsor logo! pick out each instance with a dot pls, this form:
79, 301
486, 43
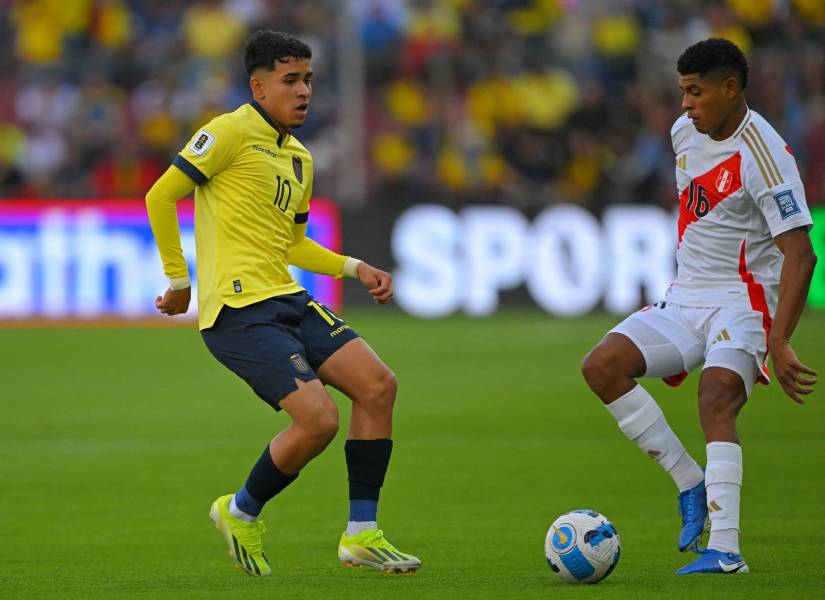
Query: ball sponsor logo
563, 538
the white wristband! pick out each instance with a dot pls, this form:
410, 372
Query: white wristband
350, 268
179, 283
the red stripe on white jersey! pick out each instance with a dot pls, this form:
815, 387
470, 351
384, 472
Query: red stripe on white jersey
717, 184
756, 294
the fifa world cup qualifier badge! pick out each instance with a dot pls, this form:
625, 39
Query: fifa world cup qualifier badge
202, 142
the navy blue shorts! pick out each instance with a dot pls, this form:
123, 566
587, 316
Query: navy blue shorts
272, 343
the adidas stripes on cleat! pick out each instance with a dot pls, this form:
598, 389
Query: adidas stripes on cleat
243, 538
371, 549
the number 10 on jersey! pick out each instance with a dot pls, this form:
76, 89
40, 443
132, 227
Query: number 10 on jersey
283, 194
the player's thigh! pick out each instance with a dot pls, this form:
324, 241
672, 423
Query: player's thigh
357, 371
342, 358
737, 341
310, 406
261, 343
667, 342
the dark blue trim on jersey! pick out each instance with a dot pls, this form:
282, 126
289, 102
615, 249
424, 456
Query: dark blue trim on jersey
190, 170
267, 118
301, 217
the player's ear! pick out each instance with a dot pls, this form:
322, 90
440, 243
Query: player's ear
731, 87
257, 87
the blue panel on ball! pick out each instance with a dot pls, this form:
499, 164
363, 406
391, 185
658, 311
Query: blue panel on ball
577, 564
594, 537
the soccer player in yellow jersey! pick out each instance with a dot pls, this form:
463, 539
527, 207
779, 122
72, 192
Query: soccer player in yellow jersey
253, 183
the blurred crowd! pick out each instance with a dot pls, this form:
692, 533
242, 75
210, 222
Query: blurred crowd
526, 102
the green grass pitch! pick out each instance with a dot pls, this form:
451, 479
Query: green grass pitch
114, 442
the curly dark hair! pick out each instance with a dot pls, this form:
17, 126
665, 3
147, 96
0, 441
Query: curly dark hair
716, 56
264, 47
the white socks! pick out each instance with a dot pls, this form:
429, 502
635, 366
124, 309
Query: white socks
723, 479
641, 420
354, 527
238, 513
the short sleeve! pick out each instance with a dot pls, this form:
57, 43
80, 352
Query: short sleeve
772, 179
210, 150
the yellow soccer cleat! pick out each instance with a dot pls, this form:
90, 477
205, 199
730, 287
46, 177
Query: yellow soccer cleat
243, 539
371, 549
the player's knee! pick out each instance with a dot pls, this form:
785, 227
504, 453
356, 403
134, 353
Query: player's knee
379, 395
599, 369
321, 423
327, 427
721, 397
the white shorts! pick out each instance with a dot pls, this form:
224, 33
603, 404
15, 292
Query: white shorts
676, 339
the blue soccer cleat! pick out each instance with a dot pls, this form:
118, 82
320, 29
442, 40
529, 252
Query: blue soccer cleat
693, 509
716, 561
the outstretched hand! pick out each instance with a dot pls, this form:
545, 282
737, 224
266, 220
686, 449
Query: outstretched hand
790, 372
174, 302
378, 282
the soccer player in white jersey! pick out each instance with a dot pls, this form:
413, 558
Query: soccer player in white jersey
745, 263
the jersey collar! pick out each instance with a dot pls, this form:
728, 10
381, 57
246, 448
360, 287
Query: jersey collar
281, 137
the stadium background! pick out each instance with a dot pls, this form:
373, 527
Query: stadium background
452, 138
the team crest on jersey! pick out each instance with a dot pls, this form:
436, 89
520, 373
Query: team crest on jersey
299, 363
298, 167
723, 180
202, 142
787, 204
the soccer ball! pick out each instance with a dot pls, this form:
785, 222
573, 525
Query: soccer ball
582, 546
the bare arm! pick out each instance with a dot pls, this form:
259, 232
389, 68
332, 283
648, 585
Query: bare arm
794, 281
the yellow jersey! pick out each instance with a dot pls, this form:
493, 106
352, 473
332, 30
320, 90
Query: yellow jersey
253, 186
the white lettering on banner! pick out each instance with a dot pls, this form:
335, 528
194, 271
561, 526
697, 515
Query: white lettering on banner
16, 278
54, 249
640, 243
564, 275
494, 255
89, 258
426, 243
75, 265
99, 251
568, 261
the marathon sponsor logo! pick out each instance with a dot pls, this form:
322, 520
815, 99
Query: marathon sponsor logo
264, 150
341, 329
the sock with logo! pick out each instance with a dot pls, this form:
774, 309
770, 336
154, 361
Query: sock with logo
367, 462
723, 480
265, 481
641, 420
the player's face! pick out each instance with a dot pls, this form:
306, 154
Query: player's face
707, 101
284, 92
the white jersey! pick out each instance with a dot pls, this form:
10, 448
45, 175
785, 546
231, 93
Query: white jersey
735, 196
